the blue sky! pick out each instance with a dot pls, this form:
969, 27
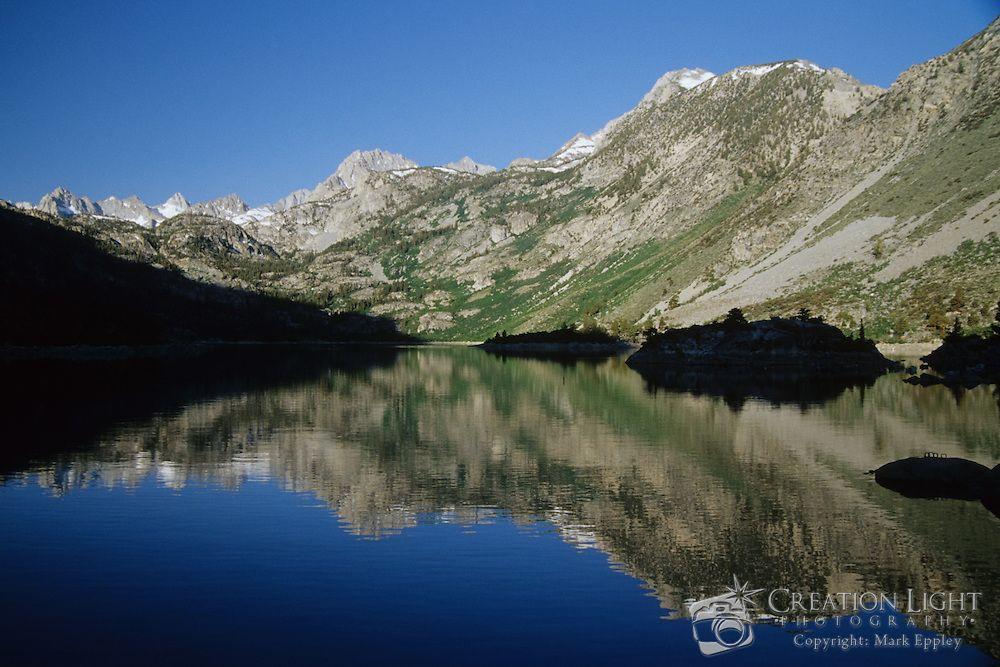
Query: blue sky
262, 98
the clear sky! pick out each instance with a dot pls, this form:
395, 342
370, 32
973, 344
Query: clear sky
261, 98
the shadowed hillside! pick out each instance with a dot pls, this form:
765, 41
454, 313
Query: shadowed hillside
58, 287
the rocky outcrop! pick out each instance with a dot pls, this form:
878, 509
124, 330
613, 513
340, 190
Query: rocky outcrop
806, 344
966, 360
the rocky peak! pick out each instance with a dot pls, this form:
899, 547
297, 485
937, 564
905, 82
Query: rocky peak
355, 169
674, 82
356, 166
227, 207
291, 199
64, 203
131, 208
177, 203
470, 166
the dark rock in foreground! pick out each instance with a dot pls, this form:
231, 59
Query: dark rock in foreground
805, 344
935, 477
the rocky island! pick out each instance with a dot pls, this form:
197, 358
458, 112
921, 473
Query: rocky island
564, 340
803, 343
965, 360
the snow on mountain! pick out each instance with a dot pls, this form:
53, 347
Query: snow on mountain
175, 205
674, 82
583, 145
254, 215
580, 146
692, 78
568, 155
470, 166
767, 68
64, 203
131, 208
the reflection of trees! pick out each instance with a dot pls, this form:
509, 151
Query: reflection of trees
678, 489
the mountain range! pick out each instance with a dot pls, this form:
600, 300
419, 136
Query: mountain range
770, 187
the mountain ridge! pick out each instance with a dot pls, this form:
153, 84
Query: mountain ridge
771, 187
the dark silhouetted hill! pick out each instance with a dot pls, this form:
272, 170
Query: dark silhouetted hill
58, 287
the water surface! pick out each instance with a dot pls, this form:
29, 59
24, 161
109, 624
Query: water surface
446, 505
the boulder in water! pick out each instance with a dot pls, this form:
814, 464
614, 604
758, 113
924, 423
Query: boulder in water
938, 477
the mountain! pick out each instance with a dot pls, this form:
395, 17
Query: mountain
770, 187
174, 205
132, 209
64, 203
674, 82
357, 167
228, 207
469, 166
292, 199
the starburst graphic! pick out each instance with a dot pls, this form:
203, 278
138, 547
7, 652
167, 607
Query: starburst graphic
741, 594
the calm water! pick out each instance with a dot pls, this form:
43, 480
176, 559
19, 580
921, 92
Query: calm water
446, 506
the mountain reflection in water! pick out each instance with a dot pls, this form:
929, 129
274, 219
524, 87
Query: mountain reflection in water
678, 487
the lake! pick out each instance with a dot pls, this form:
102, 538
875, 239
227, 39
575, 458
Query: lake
444, 505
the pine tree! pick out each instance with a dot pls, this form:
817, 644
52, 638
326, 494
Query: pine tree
735, 318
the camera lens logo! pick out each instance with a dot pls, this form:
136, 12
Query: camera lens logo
722, 624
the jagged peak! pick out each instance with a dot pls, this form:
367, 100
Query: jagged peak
60, 191
177, 198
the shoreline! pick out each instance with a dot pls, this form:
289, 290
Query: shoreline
126, 351
908, 350
118, 352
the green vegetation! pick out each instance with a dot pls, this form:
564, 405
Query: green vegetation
950, 175
920, 303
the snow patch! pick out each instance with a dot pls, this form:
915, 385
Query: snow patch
254, 215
